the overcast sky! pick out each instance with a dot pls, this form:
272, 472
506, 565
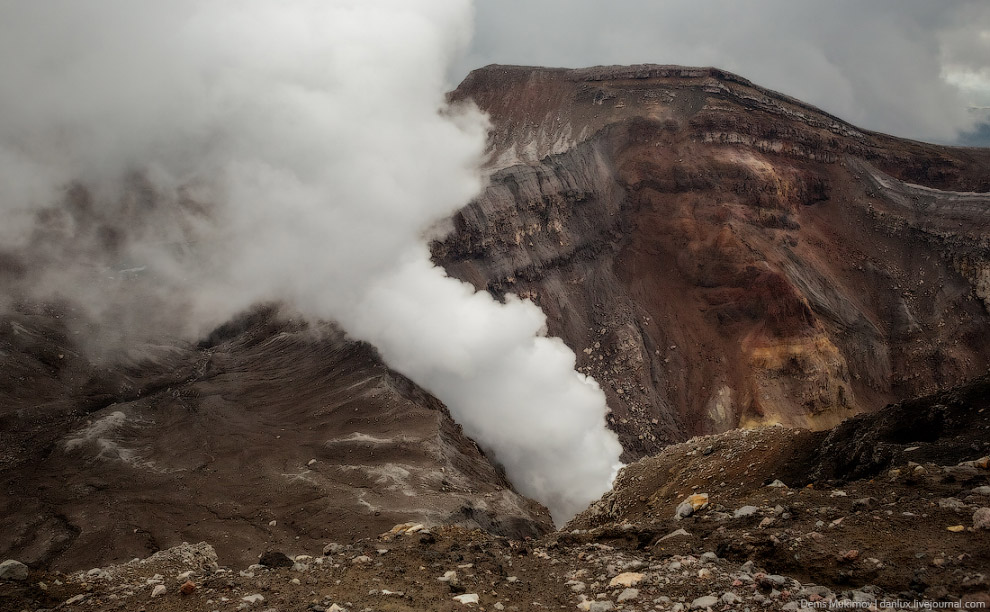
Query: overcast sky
914, 68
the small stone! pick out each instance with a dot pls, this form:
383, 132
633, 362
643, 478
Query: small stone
188, 587
862, 503
311, 462
745, 511
13, 570
272, 523
776, 484
333, 548
951, 503
467, 599
766, 522
984, 490
626, 579
704, 602
361, 559
730, 598
158, 591
680, 533
849, 556
692, 504
981, 519
956, 528
253, 599
627, 594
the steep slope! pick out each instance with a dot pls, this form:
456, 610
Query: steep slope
268, 433
720, 255
830, 536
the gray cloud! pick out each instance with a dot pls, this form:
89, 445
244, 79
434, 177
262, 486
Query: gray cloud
889, 65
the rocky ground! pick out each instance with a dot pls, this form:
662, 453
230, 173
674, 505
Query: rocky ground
765, 519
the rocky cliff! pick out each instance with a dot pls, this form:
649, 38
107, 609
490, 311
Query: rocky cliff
720, 255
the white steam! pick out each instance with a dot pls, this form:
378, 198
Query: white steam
226, 152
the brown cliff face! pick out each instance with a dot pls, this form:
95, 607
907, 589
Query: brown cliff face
720, 255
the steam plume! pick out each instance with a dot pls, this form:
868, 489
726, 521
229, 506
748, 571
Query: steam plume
211, 154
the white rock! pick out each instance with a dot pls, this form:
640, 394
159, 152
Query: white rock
467, 599
626, 579
449, 577
158, 591
776, 484
253, 599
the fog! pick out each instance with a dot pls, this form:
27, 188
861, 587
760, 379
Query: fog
164, 166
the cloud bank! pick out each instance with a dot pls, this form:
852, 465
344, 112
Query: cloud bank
167, 165
911, 68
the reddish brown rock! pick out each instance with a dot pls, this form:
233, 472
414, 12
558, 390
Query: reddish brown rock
720, 255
